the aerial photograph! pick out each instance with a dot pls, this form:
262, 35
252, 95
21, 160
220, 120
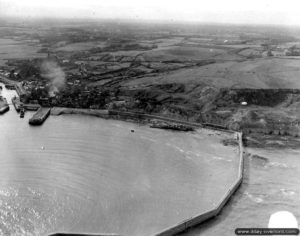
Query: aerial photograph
149, 118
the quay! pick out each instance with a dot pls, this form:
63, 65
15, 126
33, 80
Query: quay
4, 107
27, 106
40, 116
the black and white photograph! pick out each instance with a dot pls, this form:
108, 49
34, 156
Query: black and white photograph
149, 117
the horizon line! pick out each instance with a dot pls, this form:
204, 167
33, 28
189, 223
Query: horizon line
141, 21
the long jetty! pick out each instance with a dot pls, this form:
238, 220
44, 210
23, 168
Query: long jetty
40, 116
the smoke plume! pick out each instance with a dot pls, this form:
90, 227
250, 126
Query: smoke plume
53, 72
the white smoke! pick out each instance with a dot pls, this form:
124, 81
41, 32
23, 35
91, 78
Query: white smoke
52, 71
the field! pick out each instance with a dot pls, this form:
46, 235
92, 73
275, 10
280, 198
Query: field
82, 46
183, 53
17, 49
258, 73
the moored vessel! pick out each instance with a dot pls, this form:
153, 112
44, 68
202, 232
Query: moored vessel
22, 113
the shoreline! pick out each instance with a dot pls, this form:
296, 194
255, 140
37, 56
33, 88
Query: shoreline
103, 114
252, 140
124, 116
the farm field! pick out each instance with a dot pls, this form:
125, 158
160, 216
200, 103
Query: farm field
17, 49
258, 73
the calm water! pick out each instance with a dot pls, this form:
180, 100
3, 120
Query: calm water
85, 174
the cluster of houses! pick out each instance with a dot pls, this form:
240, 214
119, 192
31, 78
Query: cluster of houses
73, 94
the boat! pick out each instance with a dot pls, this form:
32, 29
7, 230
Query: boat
22, 113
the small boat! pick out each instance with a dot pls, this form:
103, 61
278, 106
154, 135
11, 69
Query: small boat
22, 113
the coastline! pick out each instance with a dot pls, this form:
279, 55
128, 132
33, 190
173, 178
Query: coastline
135, 117
104, 114
252, 140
